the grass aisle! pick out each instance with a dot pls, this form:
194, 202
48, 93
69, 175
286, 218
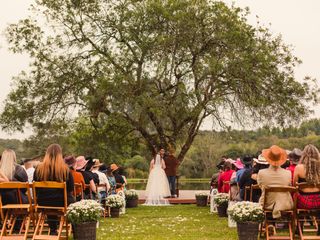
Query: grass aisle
187, 222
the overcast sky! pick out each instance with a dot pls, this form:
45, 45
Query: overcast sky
297, 21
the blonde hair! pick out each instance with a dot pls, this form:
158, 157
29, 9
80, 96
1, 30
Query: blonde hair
8, 163
311, 160
53, 167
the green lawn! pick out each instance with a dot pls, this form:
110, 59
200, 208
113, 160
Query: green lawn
171, 222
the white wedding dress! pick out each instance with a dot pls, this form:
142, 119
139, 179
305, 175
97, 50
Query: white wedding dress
157, 186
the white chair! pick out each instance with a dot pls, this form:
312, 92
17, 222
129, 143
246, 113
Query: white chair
213, 206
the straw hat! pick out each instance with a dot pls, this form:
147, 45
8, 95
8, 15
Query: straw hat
261, 160
81, 162
275, 155
97, 163
114, 167
70, 160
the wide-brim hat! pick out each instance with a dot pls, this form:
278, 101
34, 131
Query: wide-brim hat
238, 164
81, 162
70, 160
97, 163
295, 155
261, 160
275, 155
114, 167
246, 160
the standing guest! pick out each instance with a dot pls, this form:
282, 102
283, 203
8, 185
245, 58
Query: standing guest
172, 164
308, 171
87, 176
77, 177
122, 173
28, 166
294, 157
275, 176
103, 180
224, 179
53, 168
220, 167
10, 171
119, 179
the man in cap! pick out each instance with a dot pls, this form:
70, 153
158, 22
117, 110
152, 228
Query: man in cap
275, 176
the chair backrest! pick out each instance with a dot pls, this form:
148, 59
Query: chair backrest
278, 189
253, 187
304, 185
17, 186
78, 188
50, 185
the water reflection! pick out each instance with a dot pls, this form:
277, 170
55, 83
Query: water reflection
182, 185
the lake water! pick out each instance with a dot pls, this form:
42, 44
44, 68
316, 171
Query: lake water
183, 185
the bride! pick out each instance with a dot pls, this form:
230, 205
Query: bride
158, 185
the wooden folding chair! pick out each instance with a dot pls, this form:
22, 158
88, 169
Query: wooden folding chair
252, 188
78, 191
287, 217
44, 211
13, 212
247, 190
308, 219
106, 209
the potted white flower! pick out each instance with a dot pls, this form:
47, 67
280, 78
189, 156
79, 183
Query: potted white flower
115, 202
131, 198
221, 200
202, 199
83, 216
248, 216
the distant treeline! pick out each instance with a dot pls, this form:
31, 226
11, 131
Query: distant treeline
202, 157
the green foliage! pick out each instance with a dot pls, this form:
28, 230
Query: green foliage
149, 69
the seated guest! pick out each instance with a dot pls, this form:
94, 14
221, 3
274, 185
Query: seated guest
294, 157
28, 166
225, 177
112, 181
87, 176
275, 176
103, 180
53, 168
234, 190
249, 177
119, 179
10, 171
77, 177
308, 171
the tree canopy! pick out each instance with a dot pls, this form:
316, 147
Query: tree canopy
153, 68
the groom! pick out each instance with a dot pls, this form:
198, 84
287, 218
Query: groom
172, 164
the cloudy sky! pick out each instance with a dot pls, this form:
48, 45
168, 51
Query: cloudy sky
297, 21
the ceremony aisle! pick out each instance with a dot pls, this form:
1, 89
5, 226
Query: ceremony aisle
187, 222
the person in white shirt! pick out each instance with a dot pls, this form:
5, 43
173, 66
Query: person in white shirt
28, 166
103, 180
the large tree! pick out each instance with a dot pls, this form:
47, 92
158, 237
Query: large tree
157, 67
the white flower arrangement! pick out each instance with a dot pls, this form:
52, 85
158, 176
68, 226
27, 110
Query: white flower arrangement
115, 201
246, 212
201, 194
84, 211
221, 198
131, 194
